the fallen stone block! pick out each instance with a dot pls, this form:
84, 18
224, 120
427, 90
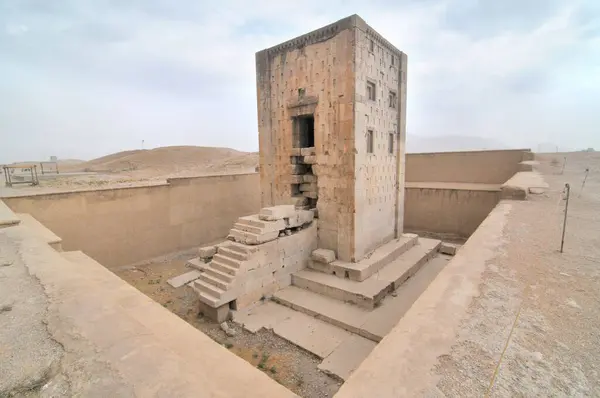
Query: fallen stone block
308, 186
448, 248
307, 151
181, 280
227, 329
310, 159
207, 251
275, 213
323, 255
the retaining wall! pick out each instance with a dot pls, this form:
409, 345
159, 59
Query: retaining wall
475, 167
125, 225
453, 210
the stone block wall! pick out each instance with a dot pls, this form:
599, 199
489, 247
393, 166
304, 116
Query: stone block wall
272, 265
379, 189
312, 74
324, 74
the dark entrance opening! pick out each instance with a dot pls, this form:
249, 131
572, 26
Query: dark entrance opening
304, 131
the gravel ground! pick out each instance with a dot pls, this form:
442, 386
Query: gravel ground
534, 329
284, 362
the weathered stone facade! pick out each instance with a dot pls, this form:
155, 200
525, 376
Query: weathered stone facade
331, 115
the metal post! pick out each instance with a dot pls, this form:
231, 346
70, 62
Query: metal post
564, 164
562, 242
587, 170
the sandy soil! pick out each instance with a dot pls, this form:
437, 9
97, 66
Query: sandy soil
289, 365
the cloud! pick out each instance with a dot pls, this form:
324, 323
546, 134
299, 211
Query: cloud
114, 72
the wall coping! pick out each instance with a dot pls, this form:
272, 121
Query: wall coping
468, 151
169, 181
452, 186
327, 32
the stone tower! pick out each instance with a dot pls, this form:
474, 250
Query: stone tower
332, 128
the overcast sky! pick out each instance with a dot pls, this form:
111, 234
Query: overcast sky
83, 78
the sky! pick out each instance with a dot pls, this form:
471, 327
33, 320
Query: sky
82, 78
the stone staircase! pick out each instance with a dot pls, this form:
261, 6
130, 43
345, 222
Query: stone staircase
229, 269
219, 274
340, 311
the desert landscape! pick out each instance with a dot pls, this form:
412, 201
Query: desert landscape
139, 167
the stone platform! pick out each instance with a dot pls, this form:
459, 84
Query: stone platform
341, 320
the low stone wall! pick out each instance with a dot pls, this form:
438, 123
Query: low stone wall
452, 210
125, 225
475, 167
271, 268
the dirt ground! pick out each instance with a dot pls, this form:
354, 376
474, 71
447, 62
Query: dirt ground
287, 364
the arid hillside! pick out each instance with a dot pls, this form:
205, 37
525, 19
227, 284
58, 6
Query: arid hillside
170, 161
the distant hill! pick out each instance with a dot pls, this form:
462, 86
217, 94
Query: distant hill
450, 143
171, 160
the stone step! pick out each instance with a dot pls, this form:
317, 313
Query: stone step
365, 294
239, 247
250, 238
368, 266
223, 267
208, 288
372, 324
254, 221
212, 280
409, 263
347, 316
224, 259
383, 319
225, 277
196, 263
205, 287
372, 290
248, 228
232, 253
206, 298
342, 351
